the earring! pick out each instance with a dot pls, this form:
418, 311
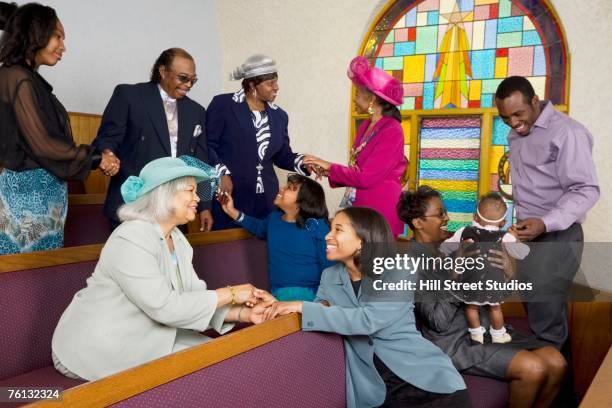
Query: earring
357, 253
254, 94
371, 109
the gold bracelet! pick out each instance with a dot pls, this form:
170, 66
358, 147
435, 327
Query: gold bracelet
231, 288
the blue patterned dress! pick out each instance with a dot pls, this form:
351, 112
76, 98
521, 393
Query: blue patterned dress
33, 206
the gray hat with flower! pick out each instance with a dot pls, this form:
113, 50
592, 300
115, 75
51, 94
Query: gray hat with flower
255, 65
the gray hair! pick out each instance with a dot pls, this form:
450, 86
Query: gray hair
156, 205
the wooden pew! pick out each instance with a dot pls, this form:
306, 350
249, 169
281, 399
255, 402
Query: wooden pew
591, 323
84, 128
129, 383
599, 393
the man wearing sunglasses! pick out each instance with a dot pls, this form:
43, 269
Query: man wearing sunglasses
154, 119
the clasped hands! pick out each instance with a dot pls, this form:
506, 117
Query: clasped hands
528, 229
110, 163
317, 166
259, 305
273, 308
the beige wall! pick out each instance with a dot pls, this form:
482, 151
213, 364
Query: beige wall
313, 41
589, 37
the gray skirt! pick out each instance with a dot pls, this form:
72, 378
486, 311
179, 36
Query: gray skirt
498, 356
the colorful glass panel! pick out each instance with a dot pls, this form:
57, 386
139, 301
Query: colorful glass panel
448, 162
457, 51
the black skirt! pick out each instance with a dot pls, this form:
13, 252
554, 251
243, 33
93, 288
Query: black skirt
403, 394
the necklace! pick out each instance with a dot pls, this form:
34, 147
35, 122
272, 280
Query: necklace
355, 150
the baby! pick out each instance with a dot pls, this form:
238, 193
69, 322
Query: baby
486, 234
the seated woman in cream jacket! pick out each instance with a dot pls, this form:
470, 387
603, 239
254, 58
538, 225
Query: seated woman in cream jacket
144, 299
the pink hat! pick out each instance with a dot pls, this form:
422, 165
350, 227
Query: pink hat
376, 80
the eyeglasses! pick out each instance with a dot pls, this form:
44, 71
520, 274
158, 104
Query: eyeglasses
184, 78
443, 214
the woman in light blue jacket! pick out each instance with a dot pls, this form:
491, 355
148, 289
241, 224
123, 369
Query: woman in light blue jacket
388, 362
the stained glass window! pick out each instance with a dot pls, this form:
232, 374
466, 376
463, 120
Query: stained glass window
450, 56
448, 157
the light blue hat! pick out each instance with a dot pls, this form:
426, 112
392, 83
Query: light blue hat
165, 169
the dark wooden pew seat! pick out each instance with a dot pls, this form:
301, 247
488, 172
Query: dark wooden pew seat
85, 220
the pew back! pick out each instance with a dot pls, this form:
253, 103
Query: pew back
32, 302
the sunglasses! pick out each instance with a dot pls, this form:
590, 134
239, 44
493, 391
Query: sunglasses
184, 78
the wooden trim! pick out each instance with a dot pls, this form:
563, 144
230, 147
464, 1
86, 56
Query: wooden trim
43, 259
352, 118
373, 24
86, 199
217, 237
568, 72
559, 23
415, 147
484, 171
85, 253
453, 112
126, 384
599, 394
90, 115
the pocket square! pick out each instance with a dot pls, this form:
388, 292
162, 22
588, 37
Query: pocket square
197, 131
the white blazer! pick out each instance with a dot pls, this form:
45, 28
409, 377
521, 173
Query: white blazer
133, 304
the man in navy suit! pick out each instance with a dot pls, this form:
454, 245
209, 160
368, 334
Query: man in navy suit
154, 119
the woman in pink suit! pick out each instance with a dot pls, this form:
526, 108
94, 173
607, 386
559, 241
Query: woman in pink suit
372, 177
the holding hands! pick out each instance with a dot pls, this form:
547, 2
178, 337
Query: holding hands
248, 302
110, 163
318, 166
254, 305
282, 308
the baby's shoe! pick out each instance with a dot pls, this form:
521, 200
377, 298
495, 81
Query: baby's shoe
477, 334
500, 336
505, 338
477, 337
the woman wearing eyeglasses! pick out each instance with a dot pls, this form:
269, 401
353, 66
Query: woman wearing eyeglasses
533, 369
247, 135
154, 119
37, 152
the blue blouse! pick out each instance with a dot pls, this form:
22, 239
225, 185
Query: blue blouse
296, 256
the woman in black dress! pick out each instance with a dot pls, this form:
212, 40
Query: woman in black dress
37, 152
